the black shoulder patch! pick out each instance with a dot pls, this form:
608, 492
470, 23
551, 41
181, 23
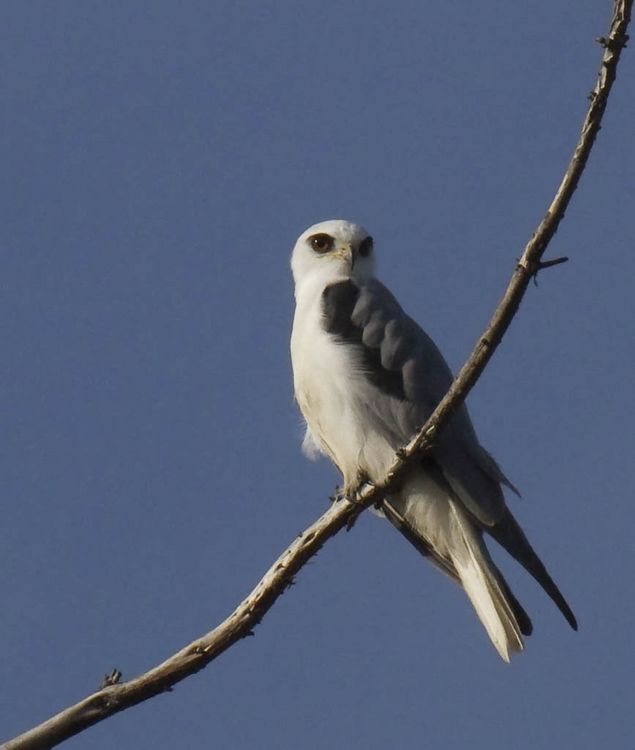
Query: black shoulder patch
338, 303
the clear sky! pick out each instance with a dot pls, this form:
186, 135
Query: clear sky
159, 160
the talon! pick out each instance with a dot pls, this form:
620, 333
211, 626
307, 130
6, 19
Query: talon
355, 500
358, 493
339, 494
362, 478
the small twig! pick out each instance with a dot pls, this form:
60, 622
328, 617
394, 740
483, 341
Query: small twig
541, 265
551, 263
191, 659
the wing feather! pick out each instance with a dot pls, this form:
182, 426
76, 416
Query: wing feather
407, 377
411, 376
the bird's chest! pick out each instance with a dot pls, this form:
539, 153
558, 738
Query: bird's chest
325, 374
335, 397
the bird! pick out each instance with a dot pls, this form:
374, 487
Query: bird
366, 377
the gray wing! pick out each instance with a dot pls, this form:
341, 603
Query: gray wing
410, 376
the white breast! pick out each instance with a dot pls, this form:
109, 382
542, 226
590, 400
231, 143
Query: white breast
332, 393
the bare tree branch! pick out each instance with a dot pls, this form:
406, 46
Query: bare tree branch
116, 696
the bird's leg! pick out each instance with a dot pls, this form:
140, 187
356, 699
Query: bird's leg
353, 497
350, 492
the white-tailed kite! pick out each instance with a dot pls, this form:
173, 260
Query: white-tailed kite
366, 378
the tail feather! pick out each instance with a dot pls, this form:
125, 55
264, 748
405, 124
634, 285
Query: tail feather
511, 537
403, 525
427, 514
523, 619
486, 589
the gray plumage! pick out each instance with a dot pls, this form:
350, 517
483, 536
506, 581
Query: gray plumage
366, 378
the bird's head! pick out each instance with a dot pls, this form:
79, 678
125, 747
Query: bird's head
334, 250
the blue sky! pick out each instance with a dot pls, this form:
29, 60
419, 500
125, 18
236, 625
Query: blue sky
159, 159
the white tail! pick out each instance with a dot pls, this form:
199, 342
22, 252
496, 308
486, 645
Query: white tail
437, 525
480, 581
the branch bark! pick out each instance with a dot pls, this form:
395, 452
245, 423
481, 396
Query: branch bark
241, 622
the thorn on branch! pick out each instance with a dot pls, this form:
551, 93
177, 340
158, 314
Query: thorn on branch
112, 678
554, 262
547, 264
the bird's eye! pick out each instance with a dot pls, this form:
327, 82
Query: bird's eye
365, 247
321, 243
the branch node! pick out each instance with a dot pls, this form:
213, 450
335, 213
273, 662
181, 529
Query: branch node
613, 43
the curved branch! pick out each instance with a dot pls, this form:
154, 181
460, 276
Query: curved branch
193, 657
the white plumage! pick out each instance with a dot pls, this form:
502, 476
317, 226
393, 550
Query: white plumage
366, 377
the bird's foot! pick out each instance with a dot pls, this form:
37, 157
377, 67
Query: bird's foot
351, 491
344, 493
354, 497
340, 494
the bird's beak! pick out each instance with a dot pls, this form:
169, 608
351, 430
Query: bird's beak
345, 252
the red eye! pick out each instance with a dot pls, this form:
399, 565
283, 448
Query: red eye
321, 243
365, 247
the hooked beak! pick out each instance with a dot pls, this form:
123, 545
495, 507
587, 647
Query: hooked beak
345, 252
